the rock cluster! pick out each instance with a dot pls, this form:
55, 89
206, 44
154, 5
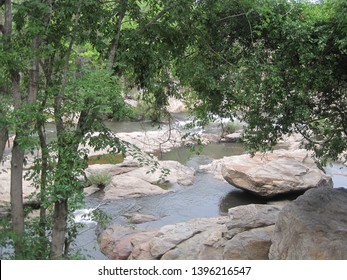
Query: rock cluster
244, 234
314, 226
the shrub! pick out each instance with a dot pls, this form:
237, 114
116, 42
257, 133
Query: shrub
100, 179
231, 127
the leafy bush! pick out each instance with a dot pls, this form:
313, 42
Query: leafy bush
100, 179
231, 127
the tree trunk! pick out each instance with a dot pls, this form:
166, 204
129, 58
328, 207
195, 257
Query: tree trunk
34, 75
115, 41
3, 140
61, 207
59, 229
44, 171
8, 18
7, 30
17, 161
16, 193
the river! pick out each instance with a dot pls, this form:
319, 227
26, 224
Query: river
207, 197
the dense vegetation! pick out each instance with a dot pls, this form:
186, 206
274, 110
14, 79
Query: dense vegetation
280, 66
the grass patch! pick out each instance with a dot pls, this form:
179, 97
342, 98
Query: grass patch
165, 185
106, 159
100, 179
231, 127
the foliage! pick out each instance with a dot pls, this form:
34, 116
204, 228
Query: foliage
100, 179
34, 245
280, 66
101, 218
299, 83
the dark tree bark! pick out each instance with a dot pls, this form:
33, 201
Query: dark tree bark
115, 41
40, 122
3, 140
16, 193
59, 229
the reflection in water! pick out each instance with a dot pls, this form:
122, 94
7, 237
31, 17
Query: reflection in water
211, 151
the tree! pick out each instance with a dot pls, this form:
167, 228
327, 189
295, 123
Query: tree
47, 53
280, 66
17, 212
39, 37
303, 84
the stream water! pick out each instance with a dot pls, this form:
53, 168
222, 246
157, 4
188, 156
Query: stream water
207, 197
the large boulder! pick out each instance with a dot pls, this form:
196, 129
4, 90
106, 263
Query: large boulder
214, 168
177, 173
123, 186
139, 218
250, 216
274, 173
314, 226
244, 234
111, 169
131, 180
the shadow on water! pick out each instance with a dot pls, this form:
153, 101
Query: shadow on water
239, 197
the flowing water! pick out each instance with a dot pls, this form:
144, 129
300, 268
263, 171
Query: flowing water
207, 197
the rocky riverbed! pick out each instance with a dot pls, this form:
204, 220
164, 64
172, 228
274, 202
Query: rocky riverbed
248, 231
165, 218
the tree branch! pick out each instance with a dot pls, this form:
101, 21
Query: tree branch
232, 16
157, 17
